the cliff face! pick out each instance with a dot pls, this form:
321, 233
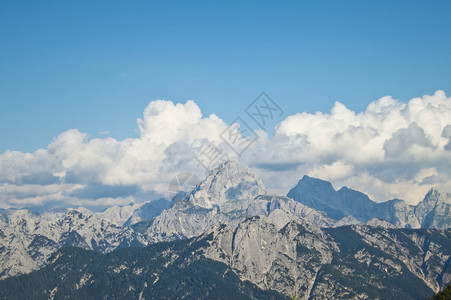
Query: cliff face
344, 262
227, 195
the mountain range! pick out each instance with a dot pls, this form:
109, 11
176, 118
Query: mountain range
313, 243
254, 260
433, 211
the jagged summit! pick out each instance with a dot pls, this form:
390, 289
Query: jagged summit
320, 194
435, 209
432, 212
349, 262
130, 214
229, 194
226, 165
316, 181
228, 187
435, 195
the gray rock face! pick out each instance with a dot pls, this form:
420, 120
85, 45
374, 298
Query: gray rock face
273, 241
348, 220
320, 195
433, 212
270, 257
333, 263
183, 222
375, 222
28, 240
230, 187
282, 210
228, 194
299, 259
129, 215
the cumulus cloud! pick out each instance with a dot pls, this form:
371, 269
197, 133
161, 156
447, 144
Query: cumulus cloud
390, 150
381, 151
77, 170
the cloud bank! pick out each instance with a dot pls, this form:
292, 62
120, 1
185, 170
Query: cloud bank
390, 150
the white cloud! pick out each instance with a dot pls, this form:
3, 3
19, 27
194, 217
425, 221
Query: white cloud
379, 151
392, 149
333, 172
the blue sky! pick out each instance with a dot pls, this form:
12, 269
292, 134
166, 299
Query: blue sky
95, 65
76, 75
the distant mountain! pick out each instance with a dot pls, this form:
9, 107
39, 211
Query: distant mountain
129, 215
227, 195
433, 212
250, 260
28, 240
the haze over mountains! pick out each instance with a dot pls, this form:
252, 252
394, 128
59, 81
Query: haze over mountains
294, 243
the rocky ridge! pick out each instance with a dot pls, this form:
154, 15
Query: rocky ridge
27, 240
346, 262
434, 211
229, 195
299, 259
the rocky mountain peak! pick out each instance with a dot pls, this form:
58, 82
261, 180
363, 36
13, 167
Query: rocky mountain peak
228, 187
321, 195
308, 181
434, 195
432, 212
